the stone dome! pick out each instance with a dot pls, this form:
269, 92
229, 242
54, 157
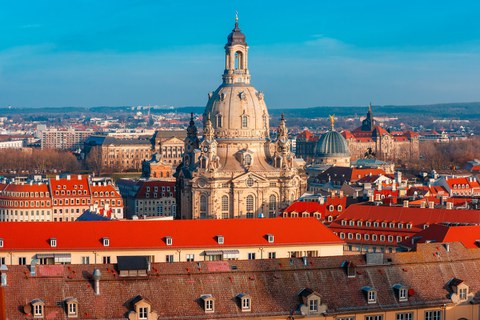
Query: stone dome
238, 111
332, 144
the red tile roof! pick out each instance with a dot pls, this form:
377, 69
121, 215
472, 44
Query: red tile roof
467, 235
151, 234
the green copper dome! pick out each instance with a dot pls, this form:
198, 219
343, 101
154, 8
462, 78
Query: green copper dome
332, 144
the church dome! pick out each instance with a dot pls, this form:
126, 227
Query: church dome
236, 109
332, 144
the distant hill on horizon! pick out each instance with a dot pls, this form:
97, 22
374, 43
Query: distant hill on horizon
460, 110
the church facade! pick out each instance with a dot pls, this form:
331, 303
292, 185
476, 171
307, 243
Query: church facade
236, 170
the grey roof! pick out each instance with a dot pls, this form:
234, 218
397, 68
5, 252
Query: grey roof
332, 144
106, 140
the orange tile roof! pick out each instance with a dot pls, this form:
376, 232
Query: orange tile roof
467, 235
151, 234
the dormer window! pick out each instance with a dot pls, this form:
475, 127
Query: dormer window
208, 303
270, 238
106, 242
53, 242
168, 240
37, 308
1, 243
142, 309
371, 294
350, 269
311, 300
72, 307
220, 239
245, 302
401, 292
459, 290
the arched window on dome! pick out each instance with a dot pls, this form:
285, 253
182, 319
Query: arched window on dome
244, 121
248, 160
219, 120
203, 206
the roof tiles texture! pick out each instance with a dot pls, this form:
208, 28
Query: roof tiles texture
174, 290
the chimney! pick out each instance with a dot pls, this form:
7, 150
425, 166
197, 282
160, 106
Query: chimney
321, 200
449, 205
341, 193
422, 204
431, 204
405, 203
69, 177
57, 177
332, 194
79, 177
96, 281
370, 198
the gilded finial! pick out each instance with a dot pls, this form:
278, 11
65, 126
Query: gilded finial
332, 122
236, 16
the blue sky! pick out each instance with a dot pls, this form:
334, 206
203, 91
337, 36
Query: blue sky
306, 53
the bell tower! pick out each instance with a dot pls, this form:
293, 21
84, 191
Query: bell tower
236, 58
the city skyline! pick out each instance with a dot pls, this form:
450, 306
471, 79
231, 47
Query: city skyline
146, 52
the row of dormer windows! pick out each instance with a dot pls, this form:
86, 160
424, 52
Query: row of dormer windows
376, 224
373, 237
155, 189
74, 187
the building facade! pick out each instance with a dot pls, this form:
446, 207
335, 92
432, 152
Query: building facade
64, 139
58, 199
371, 140
166, 241
236, 170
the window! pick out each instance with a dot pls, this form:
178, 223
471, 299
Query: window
169, 258
404, 316
463, 293
168, 241
339, 208
251, 256
106, 242
244, 121
220, 239
246, 304
346, 318
1, 243
190, 257
225, 204
272, 255
53, 242
374, 317
143, 313
72, 309
272, 204
433, 315
219, 120
313, 305
249, 203
22, 260
382, 237
38, 310
106, 260
271, 238
85, 260
203, 204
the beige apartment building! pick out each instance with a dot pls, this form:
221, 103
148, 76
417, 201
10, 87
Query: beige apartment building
165, 241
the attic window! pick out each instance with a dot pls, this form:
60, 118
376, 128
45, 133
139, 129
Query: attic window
208, 303
106, 242
245, 302
53, 242
38, 307
1, 242
72, 307
371, 294
168, 240
271, 238
401, 292
311, 300
220, 239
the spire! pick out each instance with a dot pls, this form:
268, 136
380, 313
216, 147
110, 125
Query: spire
208, 132
332, 122
192, 129
236, 60
282, 129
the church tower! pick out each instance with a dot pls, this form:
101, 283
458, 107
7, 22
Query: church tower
236, 170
